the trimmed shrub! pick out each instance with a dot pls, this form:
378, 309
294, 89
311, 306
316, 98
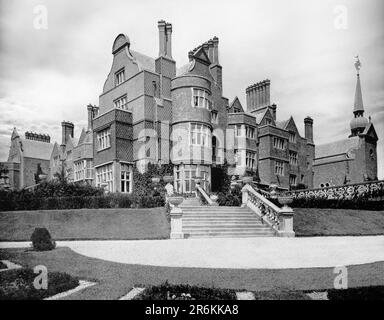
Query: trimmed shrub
17, 284
42, 240
359, 293
357, 204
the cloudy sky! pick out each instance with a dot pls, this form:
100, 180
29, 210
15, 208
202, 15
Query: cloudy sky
306, 48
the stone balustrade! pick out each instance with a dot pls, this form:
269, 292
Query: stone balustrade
279, 219
371, 189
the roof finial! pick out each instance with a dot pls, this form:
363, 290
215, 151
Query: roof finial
357, 64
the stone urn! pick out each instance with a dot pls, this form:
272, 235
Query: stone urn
197, 180
246, 180
285, 200
214, 197
168, 179
175, 200
43, 177
273, 192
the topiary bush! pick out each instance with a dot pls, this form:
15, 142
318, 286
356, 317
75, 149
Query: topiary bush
42, 240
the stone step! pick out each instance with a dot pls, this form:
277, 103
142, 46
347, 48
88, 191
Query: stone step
224, 225
229, 234
225, 229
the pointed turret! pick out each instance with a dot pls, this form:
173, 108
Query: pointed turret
359, 122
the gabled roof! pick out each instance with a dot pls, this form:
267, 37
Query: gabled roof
370, 129
337, 147
234, 102
260, 116
36, 149
201, 55
85, 137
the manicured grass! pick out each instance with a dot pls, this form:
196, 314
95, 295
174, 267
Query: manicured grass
116, 279
337, 222
86, 224
18, 284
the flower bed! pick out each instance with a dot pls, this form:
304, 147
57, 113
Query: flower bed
168, 291
17, 284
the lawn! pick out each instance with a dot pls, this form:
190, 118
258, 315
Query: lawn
337, 222
86, 224
116, 279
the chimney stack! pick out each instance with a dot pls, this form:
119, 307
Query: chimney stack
258, 95
274, 107
162, 42
210, 50
67, 131
37, 137
215, 50
308, 125
92, 113
168, 39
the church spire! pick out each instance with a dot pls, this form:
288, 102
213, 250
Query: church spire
359, 122
358, 105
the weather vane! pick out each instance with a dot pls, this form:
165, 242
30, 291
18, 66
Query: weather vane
357, 64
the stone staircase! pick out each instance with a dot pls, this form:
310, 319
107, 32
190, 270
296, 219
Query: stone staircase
221, 222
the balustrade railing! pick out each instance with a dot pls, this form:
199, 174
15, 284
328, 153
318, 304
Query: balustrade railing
200, 190
279, 219
367, 190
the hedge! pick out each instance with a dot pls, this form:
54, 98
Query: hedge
112, 200
357, 204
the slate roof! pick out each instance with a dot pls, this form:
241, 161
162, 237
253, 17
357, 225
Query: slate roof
336, 148
282, 124
36, 149
183, 69
144, 62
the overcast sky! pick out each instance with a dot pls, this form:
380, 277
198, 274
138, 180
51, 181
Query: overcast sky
306, 48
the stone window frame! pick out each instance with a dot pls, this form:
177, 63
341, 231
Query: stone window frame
292, 180
103, 138
250, 159
200, 99
201, 130
279, 143
279, 168
126, 177
104, 174
121, 103
293, 158
119, 76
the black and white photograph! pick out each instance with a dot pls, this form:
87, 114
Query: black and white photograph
186, 156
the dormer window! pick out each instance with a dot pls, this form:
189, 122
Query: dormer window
268, 121
236, 110
119, 77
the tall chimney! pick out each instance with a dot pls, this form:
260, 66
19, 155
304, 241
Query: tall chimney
210, 50
267, 92
308, 125
162, 43
168, 39
274, 107
215, 50
90, 116
67, 131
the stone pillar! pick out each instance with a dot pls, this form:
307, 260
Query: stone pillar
286, 222
244, 197
176, 223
